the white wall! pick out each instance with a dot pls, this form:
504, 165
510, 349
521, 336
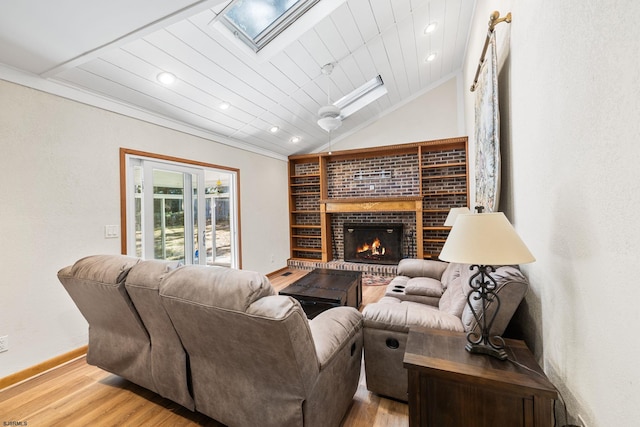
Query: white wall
571, 126
433, 115
59, 169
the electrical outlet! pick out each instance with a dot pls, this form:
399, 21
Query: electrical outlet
4, 343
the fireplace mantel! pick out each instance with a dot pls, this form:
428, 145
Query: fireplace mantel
386, 204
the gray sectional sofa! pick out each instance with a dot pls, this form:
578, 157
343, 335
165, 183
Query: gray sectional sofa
429, 294
218, 341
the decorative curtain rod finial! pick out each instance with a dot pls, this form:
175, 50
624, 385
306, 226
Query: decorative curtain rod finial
495, 19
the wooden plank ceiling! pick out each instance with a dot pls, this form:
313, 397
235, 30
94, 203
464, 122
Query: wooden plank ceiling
283, 86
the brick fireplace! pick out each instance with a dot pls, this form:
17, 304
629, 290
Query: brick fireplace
412, 185
377, 177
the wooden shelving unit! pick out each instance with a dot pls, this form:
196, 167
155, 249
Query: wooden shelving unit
444, 185
442, 177
304, 212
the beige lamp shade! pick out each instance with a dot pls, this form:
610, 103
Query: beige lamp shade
453, 214
485, 239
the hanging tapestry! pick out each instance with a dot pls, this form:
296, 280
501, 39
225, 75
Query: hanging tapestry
487, 132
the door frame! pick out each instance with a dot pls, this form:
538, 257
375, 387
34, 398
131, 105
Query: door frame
125, 153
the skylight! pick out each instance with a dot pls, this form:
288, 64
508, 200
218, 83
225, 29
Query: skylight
361, 97
257, 22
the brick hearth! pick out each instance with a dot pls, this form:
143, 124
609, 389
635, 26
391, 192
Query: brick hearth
372, 269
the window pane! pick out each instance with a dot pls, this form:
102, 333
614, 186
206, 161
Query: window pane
137, 177
168, 215
218, 233
196, 240
254, 16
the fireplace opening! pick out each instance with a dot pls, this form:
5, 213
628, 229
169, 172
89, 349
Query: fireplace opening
373, 243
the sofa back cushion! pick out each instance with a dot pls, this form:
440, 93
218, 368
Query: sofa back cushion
118, 340
169, 365
247, 346
454, 298
411, 267
220, 287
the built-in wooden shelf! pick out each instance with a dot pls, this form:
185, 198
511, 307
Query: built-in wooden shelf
445, 193
444, 165
307, 249
309, 193
457, 175
307, 175
304, 184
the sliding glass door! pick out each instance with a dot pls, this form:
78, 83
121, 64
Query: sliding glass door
181, 212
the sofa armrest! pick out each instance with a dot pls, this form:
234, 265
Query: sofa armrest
332, 330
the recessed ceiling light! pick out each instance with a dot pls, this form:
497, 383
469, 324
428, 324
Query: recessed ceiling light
431, 27
274, 129
431, 57
295, 139
166, 78
224, 105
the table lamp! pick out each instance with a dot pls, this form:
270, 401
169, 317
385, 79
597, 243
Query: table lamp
453, 214
485, 241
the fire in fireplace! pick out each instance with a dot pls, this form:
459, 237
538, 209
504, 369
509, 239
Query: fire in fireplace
373, 243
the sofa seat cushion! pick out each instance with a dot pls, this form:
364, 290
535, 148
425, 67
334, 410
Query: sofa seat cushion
397, 315
417, 289
424, 286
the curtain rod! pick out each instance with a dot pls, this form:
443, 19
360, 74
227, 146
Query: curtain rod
494, 20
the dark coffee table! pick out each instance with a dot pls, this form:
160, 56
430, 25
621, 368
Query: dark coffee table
323, 289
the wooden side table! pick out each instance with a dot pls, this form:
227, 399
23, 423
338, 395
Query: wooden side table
450, 387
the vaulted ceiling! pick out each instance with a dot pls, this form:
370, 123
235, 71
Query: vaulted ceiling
109, 53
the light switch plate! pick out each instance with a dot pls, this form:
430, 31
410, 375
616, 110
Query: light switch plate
111, 231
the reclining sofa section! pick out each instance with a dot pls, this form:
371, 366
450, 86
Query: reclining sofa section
218, 340
429, 294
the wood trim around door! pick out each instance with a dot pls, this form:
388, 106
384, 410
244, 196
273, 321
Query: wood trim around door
123, 190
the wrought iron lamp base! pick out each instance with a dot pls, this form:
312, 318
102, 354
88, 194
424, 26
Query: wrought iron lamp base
483, 288
498, 353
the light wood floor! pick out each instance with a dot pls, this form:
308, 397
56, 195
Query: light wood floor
76, 394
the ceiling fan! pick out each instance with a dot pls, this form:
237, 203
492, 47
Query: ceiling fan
329, 115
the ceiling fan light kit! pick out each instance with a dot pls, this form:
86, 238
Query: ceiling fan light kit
329, 123
329, 118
